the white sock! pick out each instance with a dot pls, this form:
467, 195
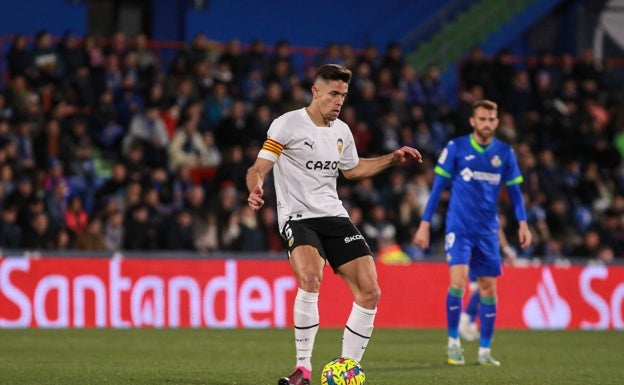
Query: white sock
306, 320
453, 342
483, 350
358, 331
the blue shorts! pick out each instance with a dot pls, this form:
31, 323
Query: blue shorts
480, 252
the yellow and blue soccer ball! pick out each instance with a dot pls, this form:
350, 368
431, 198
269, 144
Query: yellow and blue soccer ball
343, 371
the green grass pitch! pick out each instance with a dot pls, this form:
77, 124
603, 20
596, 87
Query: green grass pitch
260, 357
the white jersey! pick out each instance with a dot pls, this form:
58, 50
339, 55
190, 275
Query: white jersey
307, 159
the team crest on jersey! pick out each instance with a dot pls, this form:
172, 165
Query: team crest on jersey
496, 162
443, 156
339, 144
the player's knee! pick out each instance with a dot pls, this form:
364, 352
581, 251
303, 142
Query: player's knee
369, 298
310, 282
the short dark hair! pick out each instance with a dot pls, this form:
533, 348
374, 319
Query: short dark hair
487, 104
333, 72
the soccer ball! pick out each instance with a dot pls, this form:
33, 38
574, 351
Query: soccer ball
342, 371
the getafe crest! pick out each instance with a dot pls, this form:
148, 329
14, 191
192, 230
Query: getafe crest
496, 162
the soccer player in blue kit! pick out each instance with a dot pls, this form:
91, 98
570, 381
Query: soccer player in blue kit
476, 166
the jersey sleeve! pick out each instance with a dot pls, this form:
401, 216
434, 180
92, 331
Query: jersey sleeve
446, 164
349, 157
277, 139
512, 170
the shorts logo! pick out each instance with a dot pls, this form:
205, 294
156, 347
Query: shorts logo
449, 241
353, 238
288, 235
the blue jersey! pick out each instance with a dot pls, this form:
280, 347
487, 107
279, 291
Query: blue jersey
476, 175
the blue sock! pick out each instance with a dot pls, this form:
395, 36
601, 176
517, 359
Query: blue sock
453, 311
487, 314
472, 309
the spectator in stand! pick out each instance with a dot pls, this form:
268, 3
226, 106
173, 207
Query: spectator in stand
233, 168
94, 54
70, 54
10, 232
189, 148
256, 57
128, 100
21, 197
147, 62
360, 130
281, 51
393, 60
148, 129
260, 122
273, 98
19, 57
25, 147
39, 235
366, 107
179, 232
251, 233
233, 55
377, 228
330, 54
519, 100
92, 238
48, 66
348, 55
107, 133
118, 46
234, 128
273, 241
139, 234
75, 217
56, 200
217, 105
114, 230
475, 70
409, 83
503, 71
370, 56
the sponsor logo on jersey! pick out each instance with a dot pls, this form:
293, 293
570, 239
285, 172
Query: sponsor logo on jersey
339, 145
322, 165
442, 157
468, 175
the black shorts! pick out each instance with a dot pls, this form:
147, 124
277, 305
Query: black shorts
336, 238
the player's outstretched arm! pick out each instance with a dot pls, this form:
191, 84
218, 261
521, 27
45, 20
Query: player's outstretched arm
372, 166
255, 181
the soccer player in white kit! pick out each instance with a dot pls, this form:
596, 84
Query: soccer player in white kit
306, 148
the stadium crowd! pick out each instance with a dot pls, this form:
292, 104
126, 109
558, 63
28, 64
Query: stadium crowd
105, 147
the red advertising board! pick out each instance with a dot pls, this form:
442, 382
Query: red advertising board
172, 293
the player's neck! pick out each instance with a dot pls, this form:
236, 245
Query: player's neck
482, 141
317, 118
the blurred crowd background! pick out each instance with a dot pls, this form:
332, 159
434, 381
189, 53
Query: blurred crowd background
105, 147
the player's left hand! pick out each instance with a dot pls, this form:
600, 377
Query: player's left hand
524, 235
405, 154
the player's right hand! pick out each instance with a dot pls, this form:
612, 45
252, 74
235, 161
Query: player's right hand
255, 200
421, 238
